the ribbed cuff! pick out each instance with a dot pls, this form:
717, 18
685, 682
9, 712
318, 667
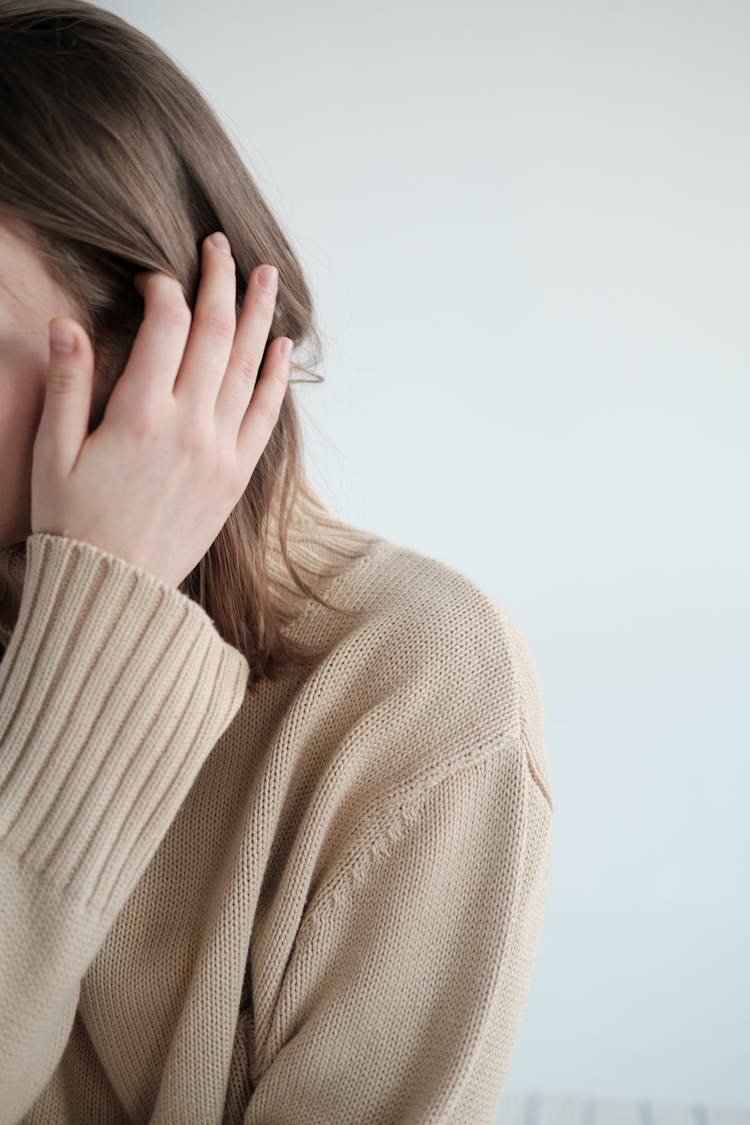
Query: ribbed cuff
113, 690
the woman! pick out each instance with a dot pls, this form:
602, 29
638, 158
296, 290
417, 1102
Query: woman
275, 817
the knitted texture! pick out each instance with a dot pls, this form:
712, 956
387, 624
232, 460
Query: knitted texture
317, 902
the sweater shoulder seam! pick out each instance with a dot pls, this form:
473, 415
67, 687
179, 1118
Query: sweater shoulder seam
387, 824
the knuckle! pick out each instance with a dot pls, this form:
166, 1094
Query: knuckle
247, 365
60, 380
142, 424
191, 437
270, 413
220, 324
177, 314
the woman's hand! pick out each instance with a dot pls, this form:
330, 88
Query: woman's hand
183, 430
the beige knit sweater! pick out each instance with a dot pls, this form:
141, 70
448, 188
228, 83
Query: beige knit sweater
313, 903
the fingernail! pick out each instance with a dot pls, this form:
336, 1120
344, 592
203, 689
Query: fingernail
61, 339
267, 276
221, 242
285, 347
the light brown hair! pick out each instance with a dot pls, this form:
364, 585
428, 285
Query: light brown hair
111, 163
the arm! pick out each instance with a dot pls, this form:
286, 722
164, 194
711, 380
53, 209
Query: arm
404, 995
113, 690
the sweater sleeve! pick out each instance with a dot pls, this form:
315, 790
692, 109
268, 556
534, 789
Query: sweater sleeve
113, 689
404, 994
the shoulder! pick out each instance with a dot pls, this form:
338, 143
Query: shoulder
438, 662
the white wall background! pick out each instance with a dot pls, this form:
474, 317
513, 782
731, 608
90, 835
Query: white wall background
527, 229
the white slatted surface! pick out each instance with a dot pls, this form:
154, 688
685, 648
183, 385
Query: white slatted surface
568, 1109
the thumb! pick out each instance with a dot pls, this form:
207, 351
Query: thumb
63, 425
